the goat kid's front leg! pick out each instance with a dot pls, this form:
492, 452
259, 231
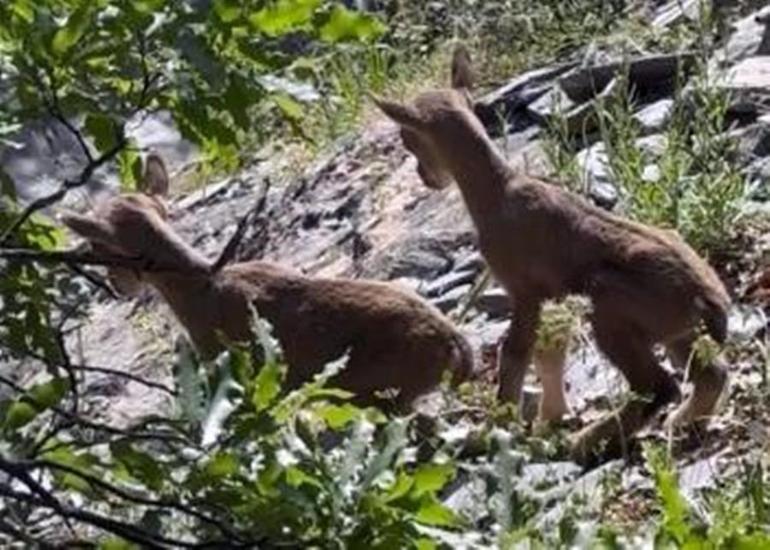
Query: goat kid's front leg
515, 351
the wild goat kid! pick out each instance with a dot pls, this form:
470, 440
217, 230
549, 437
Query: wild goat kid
646, 285
395, 340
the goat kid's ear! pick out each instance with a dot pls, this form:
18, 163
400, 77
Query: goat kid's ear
462, 69
90, 229
155, 180
404, 115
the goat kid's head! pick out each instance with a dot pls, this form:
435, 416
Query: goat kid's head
436, 115
129, 225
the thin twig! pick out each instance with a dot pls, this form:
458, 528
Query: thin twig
230, 249
79, 257
93, 279
125, 495
84, 423
66, 187
127, 376
127, 531
10, 530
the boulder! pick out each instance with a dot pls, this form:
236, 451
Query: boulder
750, 74
674, 12
749, 37
654, 117
509, 102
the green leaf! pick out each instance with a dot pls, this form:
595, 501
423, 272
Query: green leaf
267, 386
24, 9
289, 107
227, 10
117, 543
49, 394
130, 169
82, 461
396, 438
104, 131
345, 24
403, 484
187, 376
675, 510
757, 541
238, 97
432, 512
296, 478
147, 7
7, 187
430, 478
19, 414
72, 31
139, 464
425, 544
284, 16
222, 465
338, 416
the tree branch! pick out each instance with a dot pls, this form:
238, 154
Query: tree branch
230, 249
84, 423
66, 186
79, 257
136, 499
127, 376
124, 530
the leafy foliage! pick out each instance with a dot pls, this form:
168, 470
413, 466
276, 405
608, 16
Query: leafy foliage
695, 186
730, 525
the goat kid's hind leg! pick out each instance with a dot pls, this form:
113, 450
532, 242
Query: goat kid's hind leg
651, 386
708, 380
515, 351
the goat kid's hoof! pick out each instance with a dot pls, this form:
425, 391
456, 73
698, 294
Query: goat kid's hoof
582, 452
593, 445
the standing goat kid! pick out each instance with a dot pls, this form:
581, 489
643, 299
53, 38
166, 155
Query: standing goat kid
646, 285
394, 339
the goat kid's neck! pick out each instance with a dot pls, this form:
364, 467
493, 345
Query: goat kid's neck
482, 174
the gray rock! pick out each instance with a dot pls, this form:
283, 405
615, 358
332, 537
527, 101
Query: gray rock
748, 38
596, 174
494, 302
700, 475
420, 257
508, 102
45, 153
445, 283
474, 261
652, 146
450, 300
654, 117
676, 11
584, 490
758, 173
745, 321
649, 76
753, 141
751, 74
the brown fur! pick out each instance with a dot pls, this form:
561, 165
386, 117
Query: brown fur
646, 285
395, 339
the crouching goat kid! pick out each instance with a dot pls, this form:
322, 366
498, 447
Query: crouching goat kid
394, 339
